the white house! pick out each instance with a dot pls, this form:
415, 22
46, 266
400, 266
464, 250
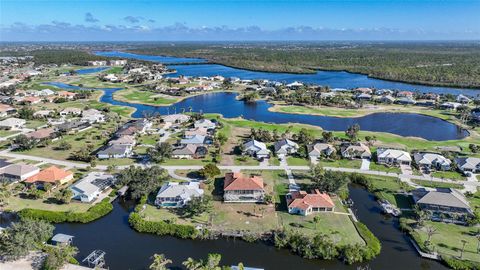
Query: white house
93, 116
432, 160
71, 111
355, 150
317, 150
393, 157
12, 123
463, 99
285, 147
256, 149
91, 186
175, 194
205, 123
176, 118
468, 164
115, 151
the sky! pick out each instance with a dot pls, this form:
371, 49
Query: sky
180, 20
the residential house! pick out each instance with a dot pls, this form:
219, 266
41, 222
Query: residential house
175, 194
405, 101
317, 150
363, 96
363, 90
52, 175
407, 94
42, 134
91, 186
393, 157
294, 85
387, 99
93, 116
443, 204
239, 188
355, 150
432, 161
450, 105
72, 126
18, 172
205, 123
66, 95
118, 62
197, 140
468, 164
115, 151
132, 127
256, 149
176, 118
196, 131
12, 123
124, 140
97, 63
4, 163
6, 110
31, 100
46, 92
285, 147
463, 99
302, 203
190, 151
42, 113
71, 111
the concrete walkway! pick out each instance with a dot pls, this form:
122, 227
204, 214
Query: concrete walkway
365, 164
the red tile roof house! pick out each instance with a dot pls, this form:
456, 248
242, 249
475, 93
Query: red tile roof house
303, 203
52, 175
242, 189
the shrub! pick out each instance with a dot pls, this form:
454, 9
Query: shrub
373, 245
458, 264
95, 212
161, 227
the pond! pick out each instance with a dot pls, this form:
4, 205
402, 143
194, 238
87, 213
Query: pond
404, 124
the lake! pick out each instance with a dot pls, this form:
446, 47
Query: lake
334, 79
404, 124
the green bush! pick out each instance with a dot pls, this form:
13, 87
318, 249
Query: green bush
458, 264
95, 212
161, 227
373, 245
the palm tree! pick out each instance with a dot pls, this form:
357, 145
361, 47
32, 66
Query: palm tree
213, 261
464, 242
159, 262
192, 264
316, 220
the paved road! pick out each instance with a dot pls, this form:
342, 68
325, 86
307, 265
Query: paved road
471, 185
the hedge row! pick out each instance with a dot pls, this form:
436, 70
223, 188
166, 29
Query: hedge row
373, 245
161, 227
458, 264
95, 212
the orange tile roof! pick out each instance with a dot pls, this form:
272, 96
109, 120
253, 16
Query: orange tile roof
316, 199
51, 174
237, 181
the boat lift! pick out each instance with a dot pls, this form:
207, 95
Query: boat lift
95, 259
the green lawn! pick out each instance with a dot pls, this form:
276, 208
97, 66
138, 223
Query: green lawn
17, 204
93, 136
180, 162
449, 175
114, 70
152, 213
342, 163
144, 97
116, 161
432, 184
148, 139
4, 132
35, 124
448, 239
246, 161
390, 189
380, 167
295, 161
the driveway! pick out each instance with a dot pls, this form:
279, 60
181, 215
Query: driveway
406, 169
365, 164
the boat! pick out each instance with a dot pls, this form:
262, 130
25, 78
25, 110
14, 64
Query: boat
389, 208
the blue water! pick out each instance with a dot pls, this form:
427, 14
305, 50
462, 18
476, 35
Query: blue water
334, 79
404, 124
91, 70
153, 58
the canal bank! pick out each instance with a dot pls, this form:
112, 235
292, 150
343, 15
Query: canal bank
127, 249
